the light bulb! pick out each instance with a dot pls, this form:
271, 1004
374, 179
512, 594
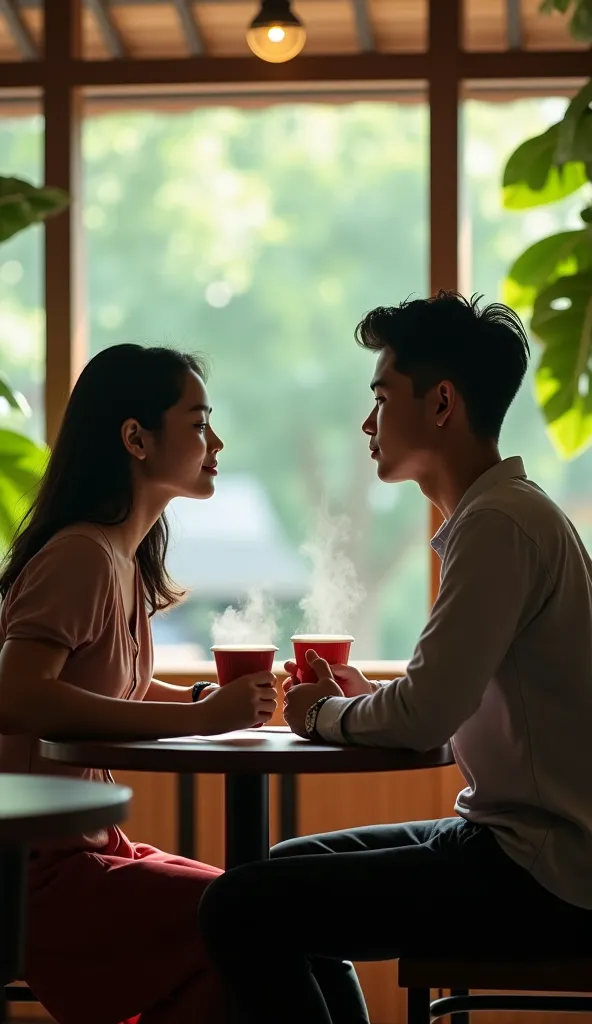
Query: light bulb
276, 35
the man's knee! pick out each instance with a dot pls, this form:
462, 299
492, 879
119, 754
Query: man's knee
301, 846
226, 897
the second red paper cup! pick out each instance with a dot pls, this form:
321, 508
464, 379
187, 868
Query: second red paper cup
334, 649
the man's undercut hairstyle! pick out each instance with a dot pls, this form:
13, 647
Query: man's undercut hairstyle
482, 350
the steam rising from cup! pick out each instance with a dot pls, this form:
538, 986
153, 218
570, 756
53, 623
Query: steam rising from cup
333, 597
335, 593
243, 638
255, 622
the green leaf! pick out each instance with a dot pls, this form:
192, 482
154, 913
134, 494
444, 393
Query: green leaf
582, 143
562, 320
580, 24
548, 6
568, 127
23, 204
22, 464
531, 177
15, 399
556, 256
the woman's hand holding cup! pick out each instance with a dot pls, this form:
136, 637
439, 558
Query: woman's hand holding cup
245, 702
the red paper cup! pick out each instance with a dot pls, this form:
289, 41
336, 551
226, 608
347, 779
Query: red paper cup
234, 661
334, 649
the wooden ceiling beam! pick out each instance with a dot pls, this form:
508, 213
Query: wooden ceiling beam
520, 64
364, 29
17, 74
111, 34
217, 70
361, 67
380, 68
191, 30
19, 30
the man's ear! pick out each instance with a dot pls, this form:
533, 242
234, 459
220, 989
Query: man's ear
445, 399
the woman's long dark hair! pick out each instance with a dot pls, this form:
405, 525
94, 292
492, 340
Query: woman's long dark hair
89, 476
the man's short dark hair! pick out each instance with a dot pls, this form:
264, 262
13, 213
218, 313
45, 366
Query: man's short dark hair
483, 351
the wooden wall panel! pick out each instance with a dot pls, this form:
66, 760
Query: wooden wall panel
28, 1012
210, 819
153, 816
329, 802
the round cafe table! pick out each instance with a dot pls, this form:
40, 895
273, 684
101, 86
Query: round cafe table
246, 759
34, 808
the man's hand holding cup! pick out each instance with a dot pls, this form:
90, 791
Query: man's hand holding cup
298, 699
352, 682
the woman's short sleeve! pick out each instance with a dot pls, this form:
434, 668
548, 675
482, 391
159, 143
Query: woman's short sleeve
63, 594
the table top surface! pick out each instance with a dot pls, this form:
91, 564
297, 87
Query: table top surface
38, 807
270, 750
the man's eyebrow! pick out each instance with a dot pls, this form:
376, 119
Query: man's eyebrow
200, 408
377, 383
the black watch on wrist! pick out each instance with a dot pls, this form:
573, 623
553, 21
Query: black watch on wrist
310, 722
198, 689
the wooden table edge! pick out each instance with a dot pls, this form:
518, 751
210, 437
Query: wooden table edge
181, 757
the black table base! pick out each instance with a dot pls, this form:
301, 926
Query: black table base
247, 819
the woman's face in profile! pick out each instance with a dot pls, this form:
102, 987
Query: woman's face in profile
183, 457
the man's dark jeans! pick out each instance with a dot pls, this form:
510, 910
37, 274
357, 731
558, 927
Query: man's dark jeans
282, 932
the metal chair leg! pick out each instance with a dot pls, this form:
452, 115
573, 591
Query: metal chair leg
463, 1016
418, 1006
451, 1006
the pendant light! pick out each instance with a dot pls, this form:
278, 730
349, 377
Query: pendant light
276, 34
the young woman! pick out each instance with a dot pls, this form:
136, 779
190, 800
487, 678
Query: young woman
112, 929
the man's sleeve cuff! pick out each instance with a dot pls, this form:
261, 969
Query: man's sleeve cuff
330, 718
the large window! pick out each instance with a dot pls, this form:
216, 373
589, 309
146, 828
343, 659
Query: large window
493, 238
22, 328
261, 237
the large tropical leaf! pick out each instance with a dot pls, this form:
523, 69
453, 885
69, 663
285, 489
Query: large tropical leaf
22, 463
573, 130
562, 320
23, 204
548, 6
15, 399
580, 24
531, 177
582, 141
556, 256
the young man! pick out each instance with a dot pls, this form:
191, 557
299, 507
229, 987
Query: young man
503, 669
